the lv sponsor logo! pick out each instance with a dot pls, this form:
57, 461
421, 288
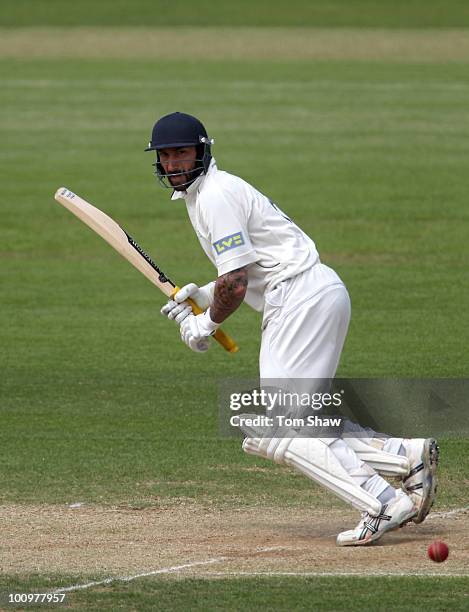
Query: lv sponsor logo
228, 242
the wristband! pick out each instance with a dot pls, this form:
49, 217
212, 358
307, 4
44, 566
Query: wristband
209, 325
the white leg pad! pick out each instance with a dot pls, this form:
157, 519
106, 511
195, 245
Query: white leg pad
313, 458
386, 464
251, 447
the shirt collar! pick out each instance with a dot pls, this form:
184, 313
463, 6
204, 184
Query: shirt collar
180, 195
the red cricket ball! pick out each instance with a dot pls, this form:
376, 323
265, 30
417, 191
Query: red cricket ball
438, 551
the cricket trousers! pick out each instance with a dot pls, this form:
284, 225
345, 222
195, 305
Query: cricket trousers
305, 323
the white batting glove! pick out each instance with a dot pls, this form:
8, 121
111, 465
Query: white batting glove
176, 312
178, 309
202, 296
196, 330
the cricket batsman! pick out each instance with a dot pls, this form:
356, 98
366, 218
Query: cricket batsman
264, 259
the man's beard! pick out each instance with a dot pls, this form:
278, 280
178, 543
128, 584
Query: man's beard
189, 177
180, 185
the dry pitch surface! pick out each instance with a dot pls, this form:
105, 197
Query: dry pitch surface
185, 539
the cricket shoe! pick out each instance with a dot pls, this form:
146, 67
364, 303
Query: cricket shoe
420, 483
394, 514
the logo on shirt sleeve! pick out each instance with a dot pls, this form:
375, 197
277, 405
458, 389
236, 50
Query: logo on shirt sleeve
228, 242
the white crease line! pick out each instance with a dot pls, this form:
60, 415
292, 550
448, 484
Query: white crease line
271, 548
319, 574
164, 570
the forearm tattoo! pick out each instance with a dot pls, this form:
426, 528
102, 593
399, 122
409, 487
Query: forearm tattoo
230, 290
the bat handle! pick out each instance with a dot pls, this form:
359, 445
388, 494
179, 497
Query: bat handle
225, 340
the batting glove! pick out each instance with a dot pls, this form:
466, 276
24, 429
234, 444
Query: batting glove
195, 331
176, 312
202, 296
178, 309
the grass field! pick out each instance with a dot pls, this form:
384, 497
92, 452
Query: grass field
334, 13
366, 148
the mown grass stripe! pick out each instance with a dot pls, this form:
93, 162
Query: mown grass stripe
231, 43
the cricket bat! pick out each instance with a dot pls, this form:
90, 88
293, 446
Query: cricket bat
124, 244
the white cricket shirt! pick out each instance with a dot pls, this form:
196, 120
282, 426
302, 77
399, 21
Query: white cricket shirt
239, 226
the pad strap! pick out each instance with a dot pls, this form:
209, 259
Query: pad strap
386, 464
